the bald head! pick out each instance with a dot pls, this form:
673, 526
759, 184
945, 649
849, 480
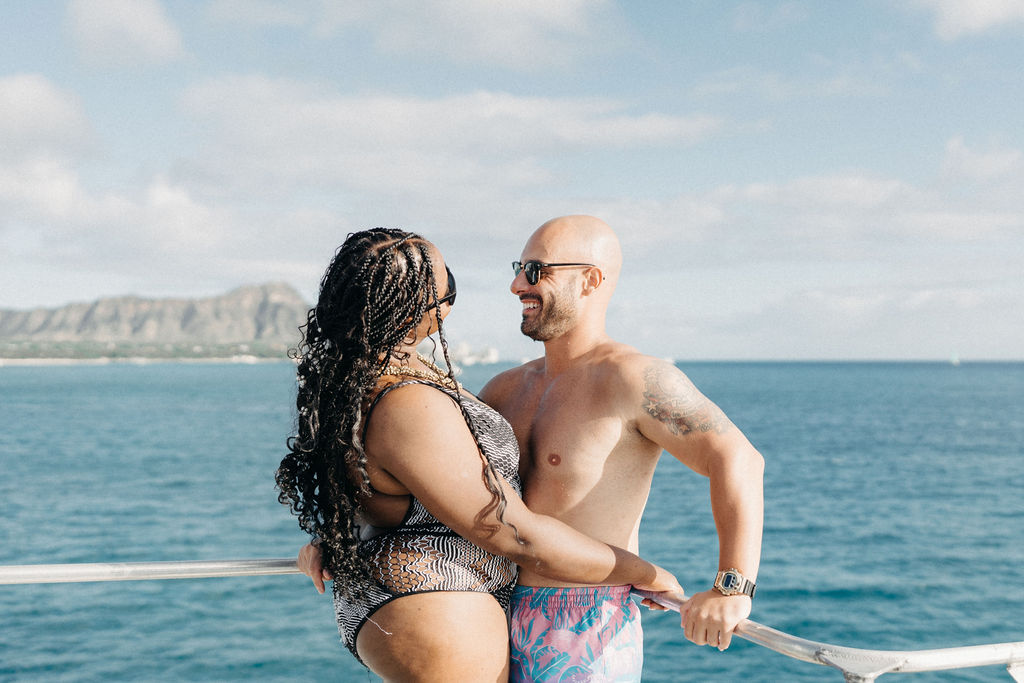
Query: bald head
580, 239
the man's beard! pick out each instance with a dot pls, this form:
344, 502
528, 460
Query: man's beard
556, 317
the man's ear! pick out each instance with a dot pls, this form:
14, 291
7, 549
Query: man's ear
592, 280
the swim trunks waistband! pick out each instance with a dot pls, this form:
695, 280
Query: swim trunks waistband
583, 596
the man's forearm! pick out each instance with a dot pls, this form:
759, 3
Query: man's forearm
737, 503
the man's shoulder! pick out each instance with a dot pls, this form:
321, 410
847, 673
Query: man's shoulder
519, 372
628, 363
623, 372
509, 380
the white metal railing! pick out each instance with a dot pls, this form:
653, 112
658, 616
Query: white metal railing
856, 665
864, 666
138, 571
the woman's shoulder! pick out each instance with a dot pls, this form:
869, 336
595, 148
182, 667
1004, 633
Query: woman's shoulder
402, 404
412, 422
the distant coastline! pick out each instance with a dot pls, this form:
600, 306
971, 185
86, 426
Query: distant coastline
98, 353
41, 354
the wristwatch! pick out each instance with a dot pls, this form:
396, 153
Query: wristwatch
731, 582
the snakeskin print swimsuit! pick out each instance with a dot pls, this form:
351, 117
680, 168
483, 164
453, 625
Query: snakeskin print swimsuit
421, 554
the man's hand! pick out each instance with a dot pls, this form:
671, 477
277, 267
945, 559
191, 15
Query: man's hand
709, 618
311, 563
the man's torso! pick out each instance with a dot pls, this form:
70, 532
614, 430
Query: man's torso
583, 461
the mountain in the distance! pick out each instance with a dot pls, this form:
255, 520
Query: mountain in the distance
264, 317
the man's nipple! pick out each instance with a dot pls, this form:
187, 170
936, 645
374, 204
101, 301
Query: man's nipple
555, 459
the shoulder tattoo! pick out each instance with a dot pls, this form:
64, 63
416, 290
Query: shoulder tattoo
671, 398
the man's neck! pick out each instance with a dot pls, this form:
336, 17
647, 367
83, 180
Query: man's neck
563, 352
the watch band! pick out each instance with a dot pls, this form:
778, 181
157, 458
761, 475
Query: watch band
731, 582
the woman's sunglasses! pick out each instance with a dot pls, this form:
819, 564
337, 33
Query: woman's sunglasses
533, 268
449, 298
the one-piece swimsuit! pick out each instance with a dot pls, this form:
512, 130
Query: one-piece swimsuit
421, 554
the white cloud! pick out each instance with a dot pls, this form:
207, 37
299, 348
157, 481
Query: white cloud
123, 33
647, 226
484, 141
841, 218
845, 191
41, 190
854, 83
848, 80
963, 162
828, 214
38, 118
957, 18
178, 223
518, 34
892, 321
259, 13
862, 210
755, 17
157, 238
873, 76
746, 80
962, 225
48, 198
513, 34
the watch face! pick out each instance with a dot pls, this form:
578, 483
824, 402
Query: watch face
731, 582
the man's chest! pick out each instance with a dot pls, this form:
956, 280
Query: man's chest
565, 425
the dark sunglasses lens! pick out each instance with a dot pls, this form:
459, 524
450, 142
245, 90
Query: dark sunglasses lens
450, 296
532, 269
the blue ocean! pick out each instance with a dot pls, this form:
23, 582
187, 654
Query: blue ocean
894, 519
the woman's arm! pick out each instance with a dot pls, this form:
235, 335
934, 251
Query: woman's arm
419, 437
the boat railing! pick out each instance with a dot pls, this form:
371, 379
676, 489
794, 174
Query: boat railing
856, 665
859, 666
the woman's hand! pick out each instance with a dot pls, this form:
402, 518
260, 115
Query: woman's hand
663, 581
311, 563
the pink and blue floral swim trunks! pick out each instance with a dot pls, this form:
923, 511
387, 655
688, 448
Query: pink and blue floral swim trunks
575, 634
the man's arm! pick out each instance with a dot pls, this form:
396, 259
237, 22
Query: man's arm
672, 413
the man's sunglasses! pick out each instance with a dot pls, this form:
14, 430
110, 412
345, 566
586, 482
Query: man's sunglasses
449, 298
533, 268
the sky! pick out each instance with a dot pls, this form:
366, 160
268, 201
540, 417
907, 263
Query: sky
830, 179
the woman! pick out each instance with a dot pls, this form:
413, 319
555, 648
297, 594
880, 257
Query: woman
417, 510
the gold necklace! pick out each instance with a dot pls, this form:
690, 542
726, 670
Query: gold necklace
431, 364
434, 374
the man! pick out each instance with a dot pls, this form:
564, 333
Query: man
592, 418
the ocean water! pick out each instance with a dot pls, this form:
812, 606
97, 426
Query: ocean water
894, 519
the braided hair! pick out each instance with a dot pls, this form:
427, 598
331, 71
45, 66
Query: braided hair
378, 287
